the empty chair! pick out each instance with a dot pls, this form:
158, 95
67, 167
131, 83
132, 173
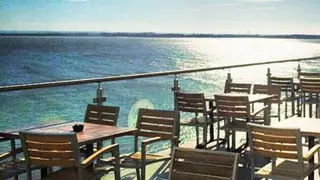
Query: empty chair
190, 164
238, 88
235, 110
107, 115
289, 92
194, 104
99, 114
62, 149
157, 125
284, 148
271, 90
310, 94
305, 74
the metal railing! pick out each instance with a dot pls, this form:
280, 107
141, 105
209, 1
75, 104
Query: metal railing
143, 75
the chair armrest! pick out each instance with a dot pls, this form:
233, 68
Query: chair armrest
258, 111
99, 153
311, 152
151, 140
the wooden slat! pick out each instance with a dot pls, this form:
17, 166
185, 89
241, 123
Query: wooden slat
101, 115
153, 120
275, 146
205, 157
232, 114
190, 109
156, 128
48, 162
274, 131
271, 138
188, 95
165, 136
203, 168
231, 98
102, 122
278, 154
48, 146
157, 113
176, 175
48, 139
232, 108
51, 154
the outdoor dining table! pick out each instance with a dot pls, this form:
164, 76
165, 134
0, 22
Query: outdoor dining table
91, 133
253, 98
309, 127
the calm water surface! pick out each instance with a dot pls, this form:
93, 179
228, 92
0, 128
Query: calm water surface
39, 59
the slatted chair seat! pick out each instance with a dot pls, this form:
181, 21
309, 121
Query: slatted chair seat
286, 169
12, 168
71, 174
190, 164
157, 125
196, 121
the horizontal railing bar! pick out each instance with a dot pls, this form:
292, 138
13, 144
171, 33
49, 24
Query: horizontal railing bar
137, 76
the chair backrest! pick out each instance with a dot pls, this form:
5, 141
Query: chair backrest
156, 123
285, 83
310, 85
270, 90
203, 164
48, 149
275, 142
107, 115
238, 88
309, 75
191, 102
232, 106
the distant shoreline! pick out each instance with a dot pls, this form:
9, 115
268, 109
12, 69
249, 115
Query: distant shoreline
156, 35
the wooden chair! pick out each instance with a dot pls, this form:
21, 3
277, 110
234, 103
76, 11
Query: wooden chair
235, 110
289, 92
62, 149
194, 104
238, 88
305, 74
310, 94
271, 90
157, 125
189, 164
284, 144
105, 115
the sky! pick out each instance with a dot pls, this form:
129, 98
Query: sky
163, 16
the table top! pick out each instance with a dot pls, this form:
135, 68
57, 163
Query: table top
90, 134
308, 126
252, 97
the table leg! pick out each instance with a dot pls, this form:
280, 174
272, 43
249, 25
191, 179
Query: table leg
211, 125
310, 145
266, 113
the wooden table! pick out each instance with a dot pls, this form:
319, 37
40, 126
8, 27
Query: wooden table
253, 98
309, 127
91, 133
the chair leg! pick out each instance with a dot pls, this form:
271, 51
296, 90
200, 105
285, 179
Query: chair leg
286, 109
279, 118
197, 135
138, 173
205, 134
143, 172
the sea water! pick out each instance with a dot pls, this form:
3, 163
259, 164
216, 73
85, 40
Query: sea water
27, 59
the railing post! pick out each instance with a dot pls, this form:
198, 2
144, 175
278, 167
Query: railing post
228, 82
175, 89
268, 77
99, 98
299, 70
